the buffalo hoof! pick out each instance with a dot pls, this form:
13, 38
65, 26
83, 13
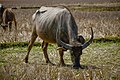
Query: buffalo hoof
78, 67
81, 67
26, 60
50, 63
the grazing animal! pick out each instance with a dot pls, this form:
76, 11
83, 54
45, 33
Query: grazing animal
57, 25
1, 12
7, 18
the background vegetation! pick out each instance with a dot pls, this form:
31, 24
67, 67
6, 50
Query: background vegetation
104, 18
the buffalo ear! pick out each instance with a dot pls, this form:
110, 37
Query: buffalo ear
81, 39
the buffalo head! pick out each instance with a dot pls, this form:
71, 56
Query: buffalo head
76, 48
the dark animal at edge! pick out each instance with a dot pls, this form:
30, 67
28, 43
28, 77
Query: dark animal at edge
57, 25
7, 17
1, 12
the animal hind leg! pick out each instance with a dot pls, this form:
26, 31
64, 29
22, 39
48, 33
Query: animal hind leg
15, 22
16, 33
33, 38
10, 26
44, 48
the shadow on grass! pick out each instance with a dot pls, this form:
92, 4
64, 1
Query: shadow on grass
89, 67
71, 66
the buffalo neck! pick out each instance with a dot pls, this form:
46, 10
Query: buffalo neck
72, 31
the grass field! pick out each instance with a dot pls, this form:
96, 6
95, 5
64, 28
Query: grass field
101, 61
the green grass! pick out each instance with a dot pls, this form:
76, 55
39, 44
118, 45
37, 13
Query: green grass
16, 44
101, 61
96, 8
24, 44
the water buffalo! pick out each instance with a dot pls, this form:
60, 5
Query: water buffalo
57, 25
1, 12
8, 17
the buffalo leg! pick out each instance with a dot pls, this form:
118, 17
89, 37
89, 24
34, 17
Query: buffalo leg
15, 22
33, 38
9, 26
4, 28
44, 48
61, 53
16, 33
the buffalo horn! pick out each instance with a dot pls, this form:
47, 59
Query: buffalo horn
89, 41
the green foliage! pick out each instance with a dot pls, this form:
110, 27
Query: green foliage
115, 39
16, 44
24, 44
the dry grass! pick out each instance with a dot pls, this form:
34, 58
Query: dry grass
101, 61
105, 24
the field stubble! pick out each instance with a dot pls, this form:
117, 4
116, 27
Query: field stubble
101, 61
